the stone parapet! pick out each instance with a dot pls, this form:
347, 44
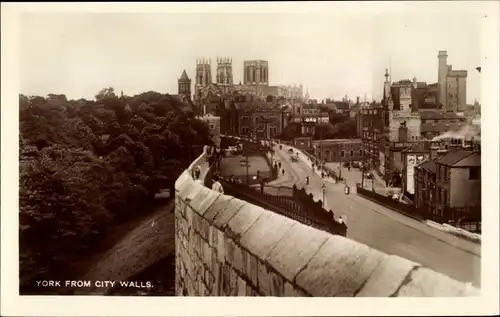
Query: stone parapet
228, 247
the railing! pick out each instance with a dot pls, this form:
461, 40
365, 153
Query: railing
300, 206
468, 218
408, 210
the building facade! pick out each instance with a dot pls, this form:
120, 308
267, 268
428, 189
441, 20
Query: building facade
263, 123
424, 96
449, 188
436, 122
339, 150
425, 187
452, 85
213, 123
370, 130
411, 157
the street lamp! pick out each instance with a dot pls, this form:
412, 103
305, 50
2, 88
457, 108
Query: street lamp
323, 189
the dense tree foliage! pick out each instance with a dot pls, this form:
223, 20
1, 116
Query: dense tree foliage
84, 165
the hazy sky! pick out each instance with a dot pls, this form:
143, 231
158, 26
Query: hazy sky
333, 50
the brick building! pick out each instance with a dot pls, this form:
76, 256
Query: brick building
370, 129
261, 122
437, 122
449, 188
425, 186
339, 150
452, 85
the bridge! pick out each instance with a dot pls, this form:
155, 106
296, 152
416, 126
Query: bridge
225, 246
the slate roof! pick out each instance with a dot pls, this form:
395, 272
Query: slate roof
341, 105
473, 160
426, 114
454, 157
429, 166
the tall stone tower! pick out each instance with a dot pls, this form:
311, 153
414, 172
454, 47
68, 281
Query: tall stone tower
442, 77
224, 75
203, 74
256, 73
184, 85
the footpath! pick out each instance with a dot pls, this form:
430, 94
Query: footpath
445, 228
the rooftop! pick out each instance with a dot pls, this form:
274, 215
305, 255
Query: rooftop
439, 127
335, 141
342, 105
184, 77
455, 158
429, 166
429, 114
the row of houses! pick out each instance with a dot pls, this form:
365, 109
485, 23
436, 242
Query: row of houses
448, 187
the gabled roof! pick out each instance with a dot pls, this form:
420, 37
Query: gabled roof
473, 160
342, 105
184, 77
429, 166
455, 157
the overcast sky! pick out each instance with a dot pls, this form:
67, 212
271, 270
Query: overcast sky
333, 49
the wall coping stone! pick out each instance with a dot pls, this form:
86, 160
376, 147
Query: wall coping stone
310, 261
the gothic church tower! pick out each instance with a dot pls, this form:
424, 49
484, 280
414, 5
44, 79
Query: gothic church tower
203, 74
184, 86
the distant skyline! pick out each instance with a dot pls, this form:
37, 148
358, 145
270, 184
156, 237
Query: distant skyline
333, 51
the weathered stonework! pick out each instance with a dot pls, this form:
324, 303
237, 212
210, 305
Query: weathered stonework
228, 247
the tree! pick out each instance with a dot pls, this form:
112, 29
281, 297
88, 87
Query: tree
86, 164
291, 131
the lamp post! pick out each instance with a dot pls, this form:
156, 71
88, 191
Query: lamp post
323, 189
363, 169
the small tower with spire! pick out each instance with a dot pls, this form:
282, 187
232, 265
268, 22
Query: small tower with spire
184, 85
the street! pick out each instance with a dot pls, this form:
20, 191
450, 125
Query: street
389, 231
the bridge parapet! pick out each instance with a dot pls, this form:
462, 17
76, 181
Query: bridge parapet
229, 247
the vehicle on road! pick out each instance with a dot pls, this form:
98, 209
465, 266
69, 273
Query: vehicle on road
355, 164
290, 151
346, 164
293, 158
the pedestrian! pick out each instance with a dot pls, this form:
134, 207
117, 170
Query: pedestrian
307, 180
197, 172
217, 186
283, 171
341, 221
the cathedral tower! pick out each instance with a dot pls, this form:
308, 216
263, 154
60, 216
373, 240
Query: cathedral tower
184, 85
224, 75
256, 73
203, 74
224, 71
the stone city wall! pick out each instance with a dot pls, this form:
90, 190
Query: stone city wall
228, 247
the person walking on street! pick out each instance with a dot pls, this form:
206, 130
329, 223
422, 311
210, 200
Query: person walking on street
217, 186
283, 171
307, 180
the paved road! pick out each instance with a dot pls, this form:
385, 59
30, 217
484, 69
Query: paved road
393, 233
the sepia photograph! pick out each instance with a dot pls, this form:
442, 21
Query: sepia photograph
329, 151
